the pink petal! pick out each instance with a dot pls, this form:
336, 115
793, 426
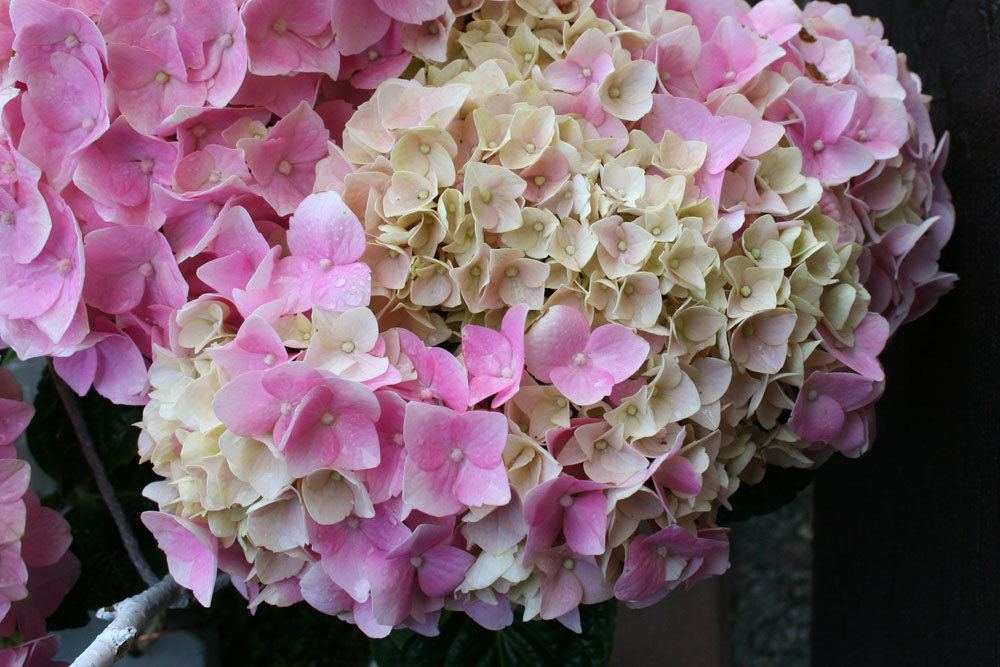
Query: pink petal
192, 552
475, 486
584, 385
586, 524
554, 340
443, 569
245, 407
430, 491
413, 11
617, 350
562, 592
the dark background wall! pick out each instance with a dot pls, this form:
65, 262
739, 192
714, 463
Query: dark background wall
907, 542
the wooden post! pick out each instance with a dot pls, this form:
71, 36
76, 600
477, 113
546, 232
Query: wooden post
907, 546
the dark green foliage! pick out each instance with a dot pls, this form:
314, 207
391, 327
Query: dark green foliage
297, 636
778, 488
463, 643
106, 574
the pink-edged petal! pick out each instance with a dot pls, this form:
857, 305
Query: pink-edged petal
192, 552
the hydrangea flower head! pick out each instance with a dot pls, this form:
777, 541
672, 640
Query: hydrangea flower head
479, 306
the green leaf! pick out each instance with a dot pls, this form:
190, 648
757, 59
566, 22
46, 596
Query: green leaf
779, 487
463, 643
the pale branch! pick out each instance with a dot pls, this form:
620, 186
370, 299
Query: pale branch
72, 408
129, 618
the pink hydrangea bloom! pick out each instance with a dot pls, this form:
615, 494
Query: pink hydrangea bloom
453, 459
286, 38
315, 419
131, 268
38, 569
659, 562
423, 565
824, 405
495, 359
583, 364
121, 171
576, 508
587, 62
284, 163
819, 116
569, 580
113, 365
24, 217
326, 241
42, 298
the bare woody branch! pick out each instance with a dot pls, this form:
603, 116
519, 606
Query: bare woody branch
72, 408
129, 618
